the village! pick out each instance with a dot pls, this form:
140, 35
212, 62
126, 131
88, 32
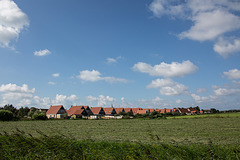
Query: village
59, 112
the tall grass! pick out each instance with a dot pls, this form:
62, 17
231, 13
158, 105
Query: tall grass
24, 146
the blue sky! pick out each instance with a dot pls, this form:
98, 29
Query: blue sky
150, 54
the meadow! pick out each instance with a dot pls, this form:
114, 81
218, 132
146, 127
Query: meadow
184, 137
216, 129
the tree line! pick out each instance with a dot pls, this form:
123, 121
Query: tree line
9, 112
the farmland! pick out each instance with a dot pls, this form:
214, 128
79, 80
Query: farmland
217, 130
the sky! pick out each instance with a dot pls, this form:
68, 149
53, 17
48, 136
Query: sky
138, 53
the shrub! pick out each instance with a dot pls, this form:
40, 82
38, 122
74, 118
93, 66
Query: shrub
6, 115
39, 116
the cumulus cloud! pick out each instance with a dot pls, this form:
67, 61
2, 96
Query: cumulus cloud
42, 52
225, 47
174, 69
94, 76
211, 19
56, 74
23, 96
12, 22
210, 25
232, 74
15, 88
63, 99
199, 99
168, 87
225, 91
101, 100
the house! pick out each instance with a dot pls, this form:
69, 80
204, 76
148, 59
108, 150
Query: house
77, 111
109, 111
88, 110
118, 110
151, 110
143, 111
128, 110
134, 110
97, 111
168, 110
56, 112
160, 110
183, 110
193, 110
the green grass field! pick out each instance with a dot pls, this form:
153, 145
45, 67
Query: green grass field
191, 130
220, 115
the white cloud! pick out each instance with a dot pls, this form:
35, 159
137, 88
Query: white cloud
63, 99
94, 76
101, 100
42, 52
201, 90
178, 101
113, 60
91, 76
225, 92
232, 74
23, 96
211, 20
12, 22
174, 69
51, 83
210, 25
199, 99
56, 74
225, 47
163, 7
14, 88
168, 87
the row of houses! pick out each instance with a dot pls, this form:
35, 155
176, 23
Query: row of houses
59, 111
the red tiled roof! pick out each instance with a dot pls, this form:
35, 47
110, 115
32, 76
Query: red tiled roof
54, 109
183, 110
151, 110
134, 110
118, 110
168, 110
79, 112
96, 110
193, 110
161, 110
108, 110
144, 111
85, 107
128, 110
73, 109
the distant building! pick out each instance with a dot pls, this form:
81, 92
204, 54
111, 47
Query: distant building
97, 111
56, 112
109, 111
119, 110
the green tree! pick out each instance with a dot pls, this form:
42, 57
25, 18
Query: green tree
11, 108
22, 112
6, 115
213, 110
198, 108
